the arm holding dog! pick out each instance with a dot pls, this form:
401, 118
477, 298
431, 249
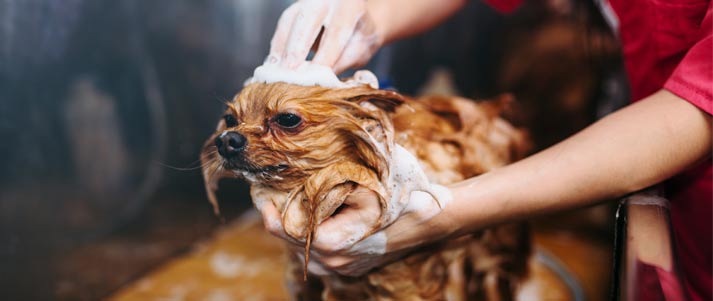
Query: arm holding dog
605, 161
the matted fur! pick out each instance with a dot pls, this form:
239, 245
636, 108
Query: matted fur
307, 173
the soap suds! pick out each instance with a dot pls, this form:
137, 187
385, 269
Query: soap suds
375, 244
421, 201
219, 295
231, 266
309, 74
407, 179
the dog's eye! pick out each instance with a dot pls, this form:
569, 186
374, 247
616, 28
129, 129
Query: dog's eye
230, 121
288, 120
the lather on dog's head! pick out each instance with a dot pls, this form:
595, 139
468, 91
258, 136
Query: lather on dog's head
279, 134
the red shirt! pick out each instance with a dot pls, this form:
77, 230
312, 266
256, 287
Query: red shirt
668, 44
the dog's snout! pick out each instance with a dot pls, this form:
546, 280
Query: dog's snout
230, 144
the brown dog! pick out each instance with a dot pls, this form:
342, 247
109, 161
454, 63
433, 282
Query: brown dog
306, 148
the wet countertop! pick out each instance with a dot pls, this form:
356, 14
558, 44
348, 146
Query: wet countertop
240, 261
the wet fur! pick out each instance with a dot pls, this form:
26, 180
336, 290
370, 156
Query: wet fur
342, 144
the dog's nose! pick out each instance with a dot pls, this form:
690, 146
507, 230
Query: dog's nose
230, 144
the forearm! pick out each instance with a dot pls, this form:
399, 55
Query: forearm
629, 150
396, 19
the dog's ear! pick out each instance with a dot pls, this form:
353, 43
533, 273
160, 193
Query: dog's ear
373, 138
379, 99
212, 171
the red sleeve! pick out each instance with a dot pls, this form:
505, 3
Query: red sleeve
504, 6
692, 79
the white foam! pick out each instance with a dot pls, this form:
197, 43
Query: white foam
219, 295
309, 74
232, 265
375, 244
410, 188
423, 202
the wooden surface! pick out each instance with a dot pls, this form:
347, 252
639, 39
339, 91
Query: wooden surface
242, 262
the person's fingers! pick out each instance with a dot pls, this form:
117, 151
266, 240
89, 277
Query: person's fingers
272, 221
335, 261
357, 218
295, 219
348, 265
333, 41
339, 232
360, 47
373, 245
279, 39
305, 29
338, 31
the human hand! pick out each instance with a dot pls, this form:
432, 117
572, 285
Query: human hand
344, 243
350, 36
357, 217
337, 240
352, 241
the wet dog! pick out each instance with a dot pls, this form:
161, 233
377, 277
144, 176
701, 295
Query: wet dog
306, 148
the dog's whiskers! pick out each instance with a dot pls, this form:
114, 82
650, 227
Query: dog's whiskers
186, 168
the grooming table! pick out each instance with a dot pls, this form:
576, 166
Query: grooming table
241, 262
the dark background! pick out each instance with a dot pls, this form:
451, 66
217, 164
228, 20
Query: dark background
104, 106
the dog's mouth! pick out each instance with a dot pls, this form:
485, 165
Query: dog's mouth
243, 167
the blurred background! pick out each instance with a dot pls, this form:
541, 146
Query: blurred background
104, 106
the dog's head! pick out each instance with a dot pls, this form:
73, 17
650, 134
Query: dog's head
279, 134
